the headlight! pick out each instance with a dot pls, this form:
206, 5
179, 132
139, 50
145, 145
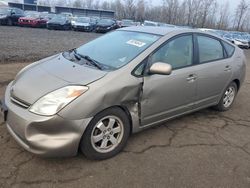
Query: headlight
53, 102
108, 27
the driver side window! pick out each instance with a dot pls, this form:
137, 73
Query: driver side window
177, 52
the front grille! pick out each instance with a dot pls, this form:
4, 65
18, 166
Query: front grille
19, 102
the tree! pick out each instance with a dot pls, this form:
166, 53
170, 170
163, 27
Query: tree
140, 13
224, 16
79, 4
89, 3
129, 6
240, 13
205, 10
170, 8
118, 7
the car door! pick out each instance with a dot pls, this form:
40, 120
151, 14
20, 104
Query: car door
165, 96
213, 71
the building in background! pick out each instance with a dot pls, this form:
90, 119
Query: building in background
33, 2
3, 3
64, 9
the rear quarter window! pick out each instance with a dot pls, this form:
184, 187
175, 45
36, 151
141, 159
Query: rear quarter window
229, 49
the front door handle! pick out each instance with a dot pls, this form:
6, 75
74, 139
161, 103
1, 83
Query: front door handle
191, 77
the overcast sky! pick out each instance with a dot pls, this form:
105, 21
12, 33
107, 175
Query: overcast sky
233, 3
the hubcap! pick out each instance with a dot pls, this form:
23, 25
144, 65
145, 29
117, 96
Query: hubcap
107, 134
229, 97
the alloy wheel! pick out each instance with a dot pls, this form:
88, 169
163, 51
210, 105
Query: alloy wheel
107, 134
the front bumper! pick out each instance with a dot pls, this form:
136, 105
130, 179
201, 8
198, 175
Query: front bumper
82, 28
55, 26
31, 24
51, 136
244, 46
3, 20
102, 30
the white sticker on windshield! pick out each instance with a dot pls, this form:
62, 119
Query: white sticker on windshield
136, 43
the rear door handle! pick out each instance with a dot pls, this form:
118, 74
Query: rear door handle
228, 68
191, 77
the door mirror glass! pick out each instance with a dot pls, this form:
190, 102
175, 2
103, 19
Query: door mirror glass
160, 68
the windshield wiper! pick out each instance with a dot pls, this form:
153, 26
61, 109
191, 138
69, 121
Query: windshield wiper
77, 56
89, 59
92, 61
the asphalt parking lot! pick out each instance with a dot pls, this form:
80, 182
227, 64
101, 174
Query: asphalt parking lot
203, 149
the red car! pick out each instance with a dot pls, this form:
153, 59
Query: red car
33, 19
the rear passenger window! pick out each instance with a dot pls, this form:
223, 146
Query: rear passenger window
209, 49
229, 48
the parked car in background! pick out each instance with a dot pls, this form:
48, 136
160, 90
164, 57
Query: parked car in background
237, 40
149, 23
67, 14
94, 97
160, 24
127, 23
9, 16
83, 24
33, 19
106, 25
47, 15
59, 22
246, 37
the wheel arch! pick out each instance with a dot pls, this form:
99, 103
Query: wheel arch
125, 109
237, 82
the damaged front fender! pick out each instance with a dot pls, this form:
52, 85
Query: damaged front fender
101, 95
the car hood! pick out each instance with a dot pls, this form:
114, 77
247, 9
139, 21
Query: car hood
241, 40
28, 18
50, 74
103, 25
81, 24
55, 22
3, 15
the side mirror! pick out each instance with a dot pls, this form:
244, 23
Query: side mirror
160, 68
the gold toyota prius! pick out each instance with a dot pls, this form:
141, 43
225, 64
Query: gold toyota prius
93, 97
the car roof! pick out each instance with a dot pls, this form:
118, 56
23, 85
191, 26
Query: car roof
156, 30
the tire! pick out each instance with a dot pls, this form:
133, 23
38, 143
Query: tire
227, 98
9, 22
111, 129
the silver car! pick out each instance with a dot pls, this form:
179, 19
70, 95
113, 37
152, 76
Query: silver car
93, 97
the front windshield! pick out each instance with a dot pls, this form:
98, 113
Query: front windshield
118, 48
83, 19
32, 15
105, 21
4, 11
59, 19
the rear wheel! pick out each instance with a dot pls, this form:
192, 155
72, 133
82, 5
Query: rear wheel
228, 98
106, 135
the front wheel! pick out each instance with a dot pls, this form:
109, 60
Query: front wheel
106, 135
9, 22
227, 98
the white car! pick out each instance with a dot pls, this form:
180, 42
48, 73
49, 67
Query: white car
237, 40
